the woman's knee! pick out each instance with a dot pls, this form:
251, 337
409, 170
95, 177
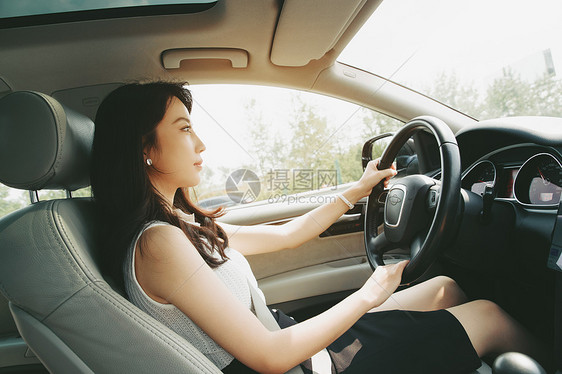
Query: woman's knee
448, 292
485, 324
491, 315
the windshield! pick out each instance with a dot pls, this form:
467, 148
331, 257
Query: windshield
487, 59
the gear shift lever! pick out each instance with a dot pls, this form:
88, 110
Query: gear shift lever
516, 363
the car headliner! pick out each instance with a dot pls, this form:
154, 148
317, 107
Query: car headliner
291, 44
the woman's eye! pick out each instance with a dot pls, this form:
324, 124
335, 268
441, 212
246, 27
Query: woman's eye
186, 129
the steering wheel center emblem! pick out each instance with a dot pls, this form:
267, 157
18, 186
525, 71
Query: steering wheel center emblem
395, 199
394, 205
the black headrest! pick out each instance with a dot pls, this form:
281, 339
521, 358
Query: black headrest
43, 144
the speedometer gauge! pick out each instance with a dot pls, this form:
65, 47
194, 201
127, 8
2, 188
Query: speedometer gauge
539, 182
479, 176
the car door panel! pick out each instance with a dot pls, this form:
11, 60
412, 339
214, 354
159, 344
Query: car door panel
316, 280
321, 266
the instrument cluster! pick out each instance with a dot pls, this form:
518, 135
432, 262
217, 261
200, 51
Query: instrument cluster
537, 182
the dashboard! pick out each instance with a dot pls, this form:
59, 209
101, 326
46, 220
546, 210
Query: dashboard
512, 178
513, 170
514, 159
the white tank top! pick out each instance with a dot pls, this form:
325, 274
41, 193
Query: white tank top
235, 274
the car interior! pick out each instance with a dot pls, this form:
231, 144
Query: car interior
487, 191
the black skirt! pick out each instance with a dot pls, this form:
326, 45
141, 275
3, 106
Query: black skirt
396, 342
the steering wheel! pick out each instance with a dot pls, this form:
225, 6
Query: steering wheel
420, 213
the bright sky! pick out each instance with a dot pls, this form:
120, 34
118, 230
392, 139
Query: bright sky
475, 39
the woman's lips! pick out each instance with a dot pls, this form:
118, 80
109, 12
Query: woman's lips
199, 164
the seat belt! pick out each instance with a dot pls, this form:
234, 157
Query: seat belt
321, 362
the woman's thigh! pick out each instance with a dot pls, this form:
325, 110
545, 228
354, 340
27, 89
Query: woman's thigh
436, 293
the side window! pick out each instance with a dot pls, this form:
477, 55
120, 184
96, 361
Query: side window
12, 199
61, 194
266, 144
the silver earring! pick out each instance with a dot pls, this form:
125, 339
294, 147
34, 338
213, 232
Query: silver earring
149, 162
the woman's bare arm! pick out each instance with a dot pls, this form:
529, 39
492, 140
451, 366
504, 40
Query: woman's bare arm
257, 239
171, 270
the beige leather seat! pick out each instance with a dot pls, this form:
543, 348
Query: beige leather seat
64, 309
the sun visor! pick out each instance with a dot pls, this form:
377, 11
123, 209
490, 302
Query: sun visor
307, 30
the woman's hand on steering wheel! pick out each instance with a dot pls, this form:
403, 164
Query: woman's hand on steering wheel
382, 283
372, 176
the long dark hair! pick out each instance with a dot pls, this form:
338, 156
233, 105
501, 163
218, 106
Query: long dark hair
124, 196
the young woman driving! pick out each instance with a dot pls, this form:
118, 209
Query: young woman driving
188, 271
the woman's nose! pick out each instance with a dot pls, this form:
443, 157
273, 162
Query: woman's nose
200, 145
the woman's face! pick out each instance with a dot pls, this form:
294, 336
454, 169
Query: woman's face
177, 156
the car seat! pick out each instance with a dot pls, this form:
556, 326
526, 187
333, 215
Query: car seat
63, 307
